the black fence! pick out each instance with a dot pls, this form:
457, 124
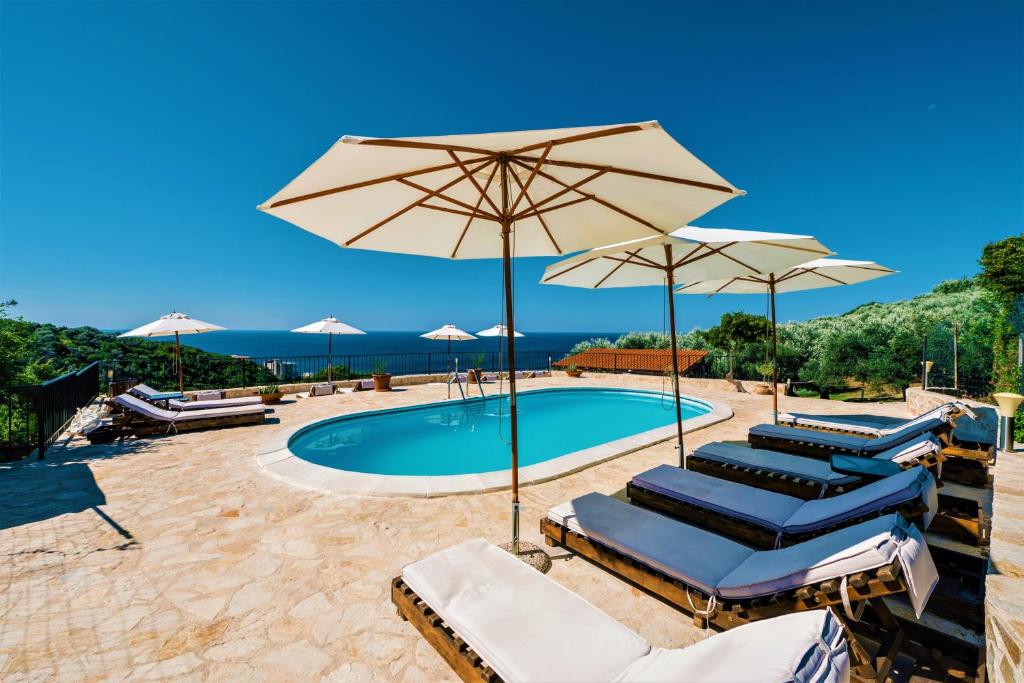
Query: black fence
956, 363
227, 372
32, 416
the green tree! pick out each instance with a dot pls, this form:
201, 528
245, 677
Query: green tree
735, 331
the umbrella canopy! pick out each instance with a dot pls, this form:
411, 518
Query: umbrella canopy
816, 274
448, 332
177, 324
498, 331
329, 326
172, 323
686, 254
464, 196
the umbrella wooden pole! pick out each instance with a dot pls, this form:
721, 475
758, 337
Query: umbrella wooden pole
506, 261
675, 355
330, 357
775, 353
177, 357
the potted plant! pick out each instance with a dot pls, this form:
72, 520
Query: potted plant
765, 369
475, 374
270, 393
381, 376
573, 371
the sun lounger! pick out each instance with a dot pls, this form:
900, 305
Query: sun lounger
140, 417
363, 385
871, 426
149, 394
324, 389
766, 519
493, 618
727, 583
964, 466
797, 475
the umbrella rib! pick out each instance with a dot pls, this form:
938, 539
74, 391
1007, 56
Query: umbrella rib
641, 261
410, 207
720, 251
440, 195
543, 223
569, 269
687, 256
448, 209
782, 245
566, 189
636, 174
479, 200
547, 209
827, 277
410, 144
529, 181
622, 262
618, 130
360, 184
472, 179
594, 197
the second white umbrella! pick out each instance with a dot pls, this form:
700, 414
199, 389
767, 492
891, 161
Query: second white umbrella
688, 254
329, 326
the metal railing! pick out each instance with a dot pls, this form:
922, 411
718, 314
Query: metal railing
229, 372
32, 416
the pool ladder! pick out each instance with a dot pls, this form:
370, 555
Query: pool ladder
454, 377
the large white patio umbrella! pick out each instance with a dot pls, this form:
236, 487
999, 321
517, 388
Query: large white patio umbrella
449, 333
816, 274
501, 195
329, 326
177, 324
498, 331
687, 254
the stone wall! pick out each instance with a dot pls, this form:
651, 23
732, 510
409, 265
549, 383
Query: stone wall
1004, 586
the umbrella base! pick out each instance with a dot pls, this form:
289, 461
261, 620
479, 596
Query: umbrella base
531, 554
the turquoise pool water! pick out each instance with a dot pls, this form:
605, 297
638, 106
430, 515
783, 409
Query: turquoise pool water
465, 437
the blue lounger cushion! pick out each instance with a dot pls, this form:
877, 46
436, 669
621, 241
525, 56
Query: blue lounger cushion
848, 443
786, 514
722, 567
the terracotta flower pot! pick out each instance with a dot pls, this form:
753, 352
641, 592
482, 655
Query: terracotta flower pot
272, 398
763, 389
382, 382
574, 373
474, 376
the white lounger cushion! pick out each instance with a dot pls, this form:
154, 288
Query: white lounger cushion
154, 413
520, 621
787, 514
717, 565
529, 628
694, 556
801, 647
913, 452
215, 403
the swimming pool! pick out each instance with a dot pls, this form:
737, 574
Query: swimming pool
472, 436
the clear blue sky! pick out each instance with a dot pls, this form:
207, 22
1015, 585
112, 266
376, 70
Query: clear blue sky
138, 138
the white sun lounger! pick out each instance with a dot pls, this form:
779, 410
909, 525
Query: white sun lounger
728, 571
766, 518
869, 425
150, 394
793, 472
145, 417
525, 627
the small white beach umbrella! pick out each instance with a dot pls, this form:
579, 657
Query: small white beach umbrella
816, 274
329, 326
448, 333
687, 254
502, 195
177, 324
498, 331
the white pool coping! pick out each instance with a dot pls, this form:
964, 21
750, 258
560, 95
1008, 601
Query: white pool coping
274, 457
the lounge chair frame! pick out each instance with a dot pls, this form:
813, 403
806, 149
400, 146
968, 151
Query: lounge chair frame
867, 587
466, 663
131, 423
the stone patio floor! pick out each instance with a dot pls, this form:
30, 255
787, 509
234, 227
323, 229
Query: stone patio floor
177, 557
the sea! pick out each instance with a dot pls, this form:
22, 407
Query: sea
285, 344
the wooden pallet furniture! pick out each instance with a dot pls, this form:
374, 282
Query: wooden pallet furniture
862, 587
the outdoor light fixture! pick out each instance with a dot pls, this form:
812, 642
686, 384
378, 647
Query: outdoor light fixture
1008, 404
927, 368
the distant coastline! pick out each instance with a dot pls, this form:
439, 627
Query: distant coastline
284, 344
